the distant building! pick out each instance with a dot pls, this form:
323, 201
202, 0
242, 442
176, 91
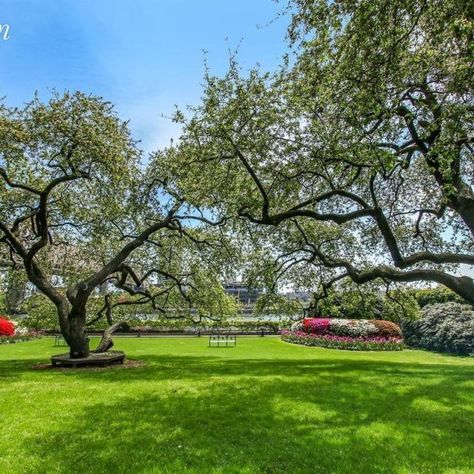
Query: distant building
303, 296
244, 295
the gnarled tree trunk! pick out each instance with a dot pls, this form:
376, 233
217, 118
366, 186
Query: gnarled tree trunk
73, 328
106, 342
77, 339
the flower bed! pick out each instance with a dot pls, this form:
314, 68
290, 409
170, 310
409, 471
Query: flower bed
348, 327
352, 343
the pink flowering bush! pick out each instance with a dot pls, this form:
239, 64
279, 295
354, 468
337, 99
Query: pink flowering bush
316, 325
353, 343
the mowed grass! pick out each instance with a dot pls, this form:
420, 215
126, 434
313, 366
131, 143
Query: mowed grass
264, 407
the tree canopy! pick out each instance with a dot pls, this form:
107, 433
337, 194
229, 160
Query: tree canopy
356, 153
79, 213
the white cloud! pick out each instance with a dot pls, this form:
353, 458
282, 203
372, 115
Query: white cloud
148, 124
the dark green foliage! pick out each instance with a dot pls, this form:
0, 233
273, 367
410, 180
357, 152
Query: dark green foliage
369, 304
445, 327
355, 155
439, 294
2, 302
40, 313
15, 288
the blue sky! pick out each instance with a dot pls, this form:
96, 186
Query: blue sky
143, 55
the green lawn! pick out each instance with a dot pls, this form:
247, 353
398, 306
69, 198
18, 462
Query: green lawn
263, 407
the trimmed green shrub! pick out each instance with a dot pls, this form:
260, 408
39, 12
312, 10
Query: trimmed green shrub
439, 294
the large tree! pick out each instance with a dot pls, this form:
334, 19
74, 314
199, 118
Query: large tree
79, 214
357, 152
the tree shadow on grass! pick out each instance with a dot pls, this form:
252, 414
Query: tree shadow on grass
201, 414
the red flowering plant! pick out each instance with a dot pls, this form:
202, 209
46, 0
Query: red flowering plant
11, 333
7, 328
316, 325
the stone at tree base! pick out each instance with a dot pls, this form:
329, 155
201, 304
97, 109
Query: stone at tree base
100, 358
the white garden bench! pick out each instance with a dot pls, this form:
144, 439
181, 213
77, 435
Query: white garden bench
222, 341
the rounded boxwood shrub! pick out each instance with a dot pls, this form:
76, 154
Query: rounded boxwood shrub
444, 327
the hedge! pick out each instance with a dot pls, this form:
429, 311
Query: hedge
19, 338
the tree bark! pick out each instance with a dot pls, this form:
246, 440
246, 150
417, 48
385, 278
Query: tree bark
74, 331
106, 342
76, 337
